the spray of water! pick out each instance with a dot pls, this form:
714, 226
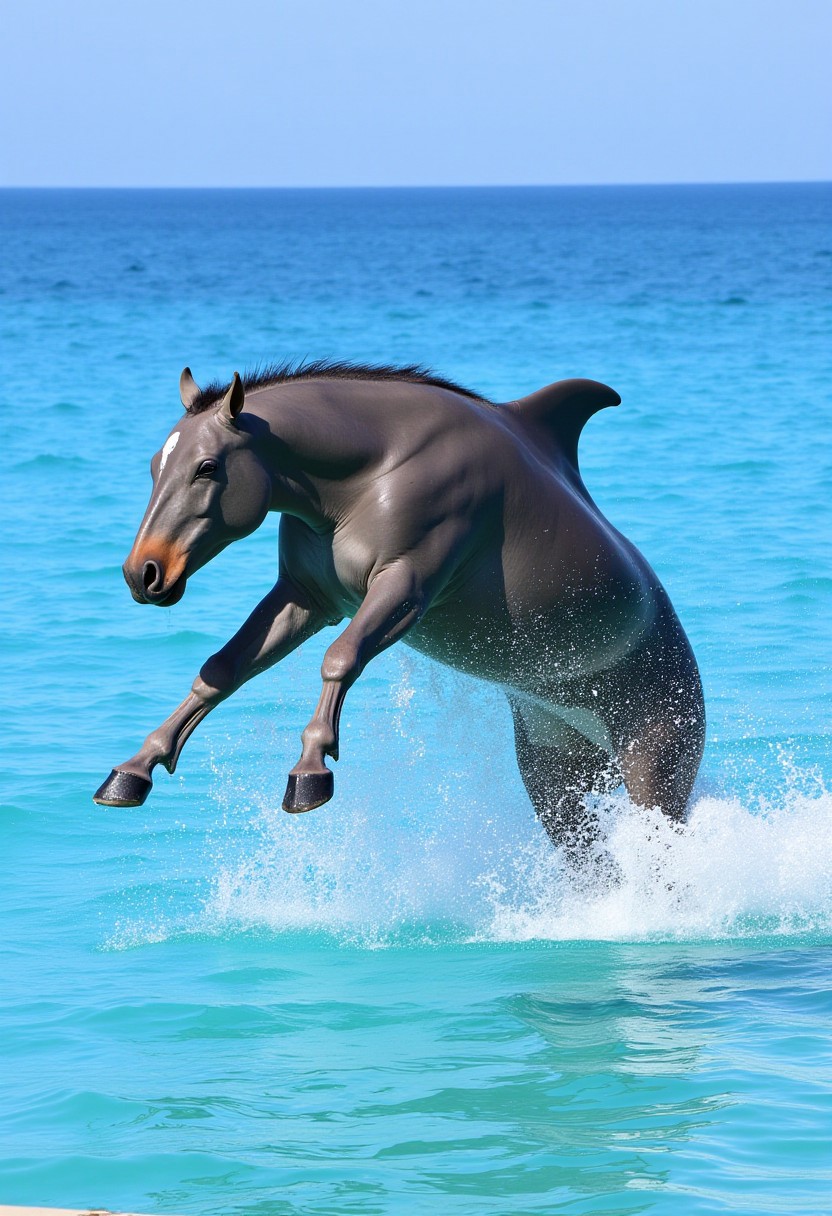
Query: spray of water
731, 871
430, 843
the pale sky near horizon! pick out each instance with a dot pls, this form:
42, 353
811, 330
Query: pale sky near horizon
432, 92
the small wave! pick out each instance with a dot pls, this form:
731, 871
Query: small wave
48, 460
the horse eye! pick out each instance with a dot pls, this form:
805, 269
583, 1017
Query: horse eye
207, 469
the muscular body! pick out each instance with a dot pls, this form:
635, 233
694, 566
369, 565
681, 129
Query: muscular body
461, 528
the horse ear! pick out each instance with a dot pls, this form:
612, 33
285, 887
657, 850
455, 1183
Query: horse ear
189, 390
232, 402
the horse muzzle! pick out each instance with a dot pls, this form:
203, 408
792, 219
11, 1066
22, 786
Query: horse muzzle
150, 582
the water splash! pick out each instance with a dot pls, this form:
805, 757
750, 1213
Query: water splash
379, 878
731, 871
430, 841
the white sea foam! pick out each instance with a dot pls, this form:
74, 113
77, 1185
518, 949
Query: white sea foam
732, 870
428, 841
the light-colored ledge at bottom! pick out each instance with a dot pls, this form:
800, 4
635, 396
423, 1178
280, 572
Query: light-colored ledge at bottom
7, 1211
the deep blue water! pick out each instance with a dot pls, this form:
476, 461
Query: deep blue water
402, 1003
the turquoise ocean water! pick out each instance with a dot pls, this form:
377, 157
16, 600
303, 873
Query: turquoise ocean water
401, 1003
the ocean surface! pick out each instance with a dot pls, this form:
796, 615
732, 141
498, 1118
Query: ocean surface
404, 1002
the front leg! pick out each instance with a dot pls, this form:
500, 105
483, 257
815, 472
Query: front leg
279, 624
395, 601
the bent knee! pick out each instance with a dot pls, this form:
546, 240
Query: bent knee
218, 678
341, 663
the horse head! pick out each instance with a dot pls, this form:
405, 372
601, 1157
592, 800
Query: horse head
209, 488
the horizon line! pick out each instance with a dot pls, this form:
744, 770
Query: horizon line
809, 181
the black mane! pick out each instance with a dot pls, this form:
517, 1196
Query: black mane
326, 369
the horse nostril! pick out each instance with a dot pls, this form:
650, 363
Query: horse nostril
152, 577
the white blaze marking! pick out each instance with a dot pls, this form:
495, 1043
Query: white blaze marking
170, 444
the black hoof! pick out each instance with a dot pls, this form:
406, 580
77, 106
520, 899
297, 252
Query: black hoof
123, 789
305, 791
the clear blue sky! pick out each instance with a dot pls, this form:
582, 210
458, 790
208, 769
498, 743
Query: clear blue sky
422, 92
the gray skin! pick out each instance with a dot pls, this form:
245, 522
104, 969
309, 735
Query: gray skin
460, 527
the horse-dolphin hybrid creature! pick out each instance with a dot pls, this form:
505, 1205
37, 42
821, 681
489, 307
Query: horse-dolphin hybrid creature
428, 515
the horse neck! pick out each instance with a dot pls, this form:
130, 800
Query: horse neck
319, 448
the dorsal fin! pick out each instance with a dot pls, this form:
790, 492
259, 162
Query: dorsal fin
561, 409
